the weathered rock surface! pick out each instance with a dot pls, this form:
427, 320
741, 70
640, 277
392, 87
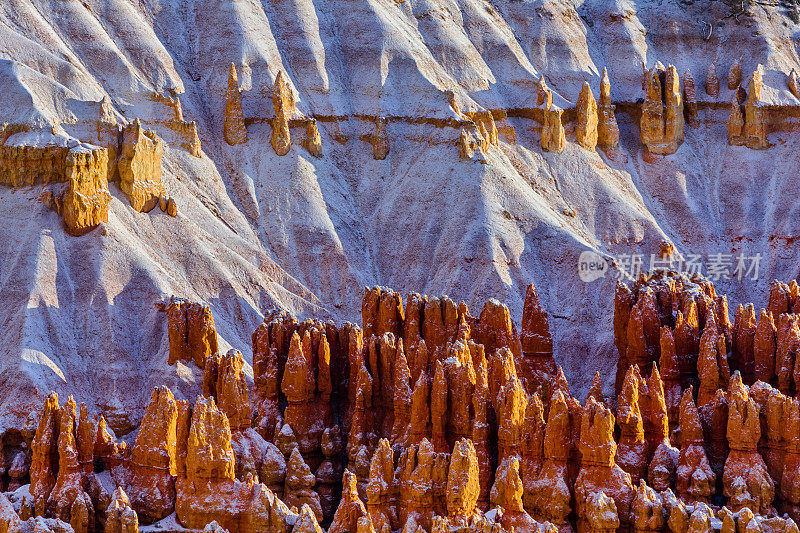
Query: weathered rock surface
140, 166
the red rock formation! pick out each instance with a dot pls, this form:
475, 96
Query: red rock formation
512, 401
415, 478
313, 140
624, 299
463, 484
787, 347
140, 166
44, 465
224, 379
747, 481
507, 494
790, 478
671, 373
284, 106
234, 131
307, 417
208, 490
662, 112
599, 472
778, 299
647, 510
150, 474
607, 128
192, 335
121, 518
694, 477
744, 331
553, 138
764, 347
317, 372
536, 342
774, 410
632, 447
379, 489
601, 513
664, 461
547, 495
351, 510
735, 74
586, 121
84, 205
481, 404
298, 490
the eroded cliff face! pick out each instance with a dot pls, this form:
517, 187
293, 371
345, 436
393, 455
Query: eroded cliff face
471, 428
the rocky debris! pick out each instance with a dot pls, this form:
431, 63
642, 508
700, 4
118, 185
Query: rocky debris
234, 129
192, 335
379, 140
586, 120
793, 85
662, 111
140, 166
9, 520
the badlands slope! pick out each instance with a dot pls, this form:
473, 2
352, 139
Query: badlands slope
257, 231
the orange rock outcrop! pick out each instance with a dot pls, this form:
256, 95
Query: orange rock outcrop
192, 335
448, 422
607, 128
586, 118
284, 106
662, 112
140, 166
234, 129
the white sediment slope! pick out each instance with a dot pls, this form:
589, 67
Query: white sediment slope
257, 231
